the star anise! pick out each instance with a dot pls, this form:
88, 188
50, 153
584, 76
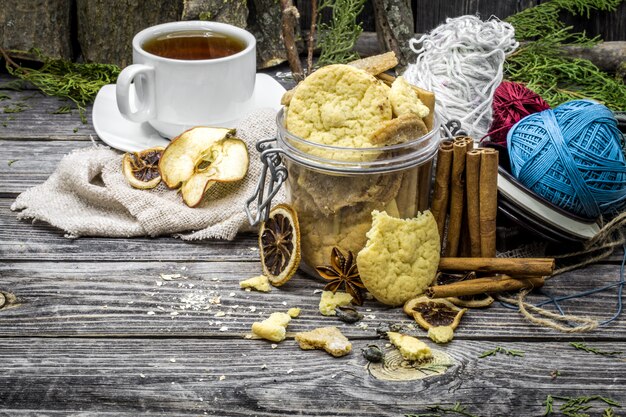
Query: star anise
342, 273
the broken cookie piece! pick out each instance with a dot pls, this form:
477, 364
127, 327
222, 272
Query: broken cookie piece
410, 347
274, 328
441, 334
329, 339
399, 130
376, 64
404, 100
293, 312
330, 301
260, 283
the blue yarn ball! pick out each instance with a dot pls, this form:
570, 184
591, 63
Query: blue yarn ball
571, 156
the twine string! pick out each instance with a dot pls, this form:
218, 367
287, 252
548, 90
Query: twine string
461, 61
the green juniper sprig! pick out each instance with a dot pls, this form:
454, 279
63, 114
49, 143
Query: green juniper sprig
336, 40
438, 411
589, 349
77, 82
499, 349
541, 64
576, 406
543, 20
16, 108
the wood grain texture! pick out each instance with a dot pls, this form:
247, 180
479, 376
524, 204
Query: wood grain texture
131, 299
38, 122
105, 31
43, 24
22, 240
226, 378
429, 15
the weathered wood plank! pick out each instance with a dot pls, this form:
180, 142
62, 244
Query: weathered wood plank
23, 240
225, 377
38, 120
25, 163
42, 24
429, 15
87, 298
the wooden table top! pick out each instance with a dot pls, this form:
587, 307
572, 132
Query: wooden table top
89, 327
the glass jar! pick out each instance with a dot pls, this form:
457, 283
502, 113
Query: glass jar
335, 189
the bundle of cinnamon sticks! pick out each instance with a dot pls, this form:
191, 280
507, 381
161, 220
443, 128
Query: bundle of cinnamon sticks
466, 194
502, 274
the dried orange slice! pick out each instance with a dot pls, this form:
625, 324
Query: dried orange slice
279, 243
429, 312
141, 169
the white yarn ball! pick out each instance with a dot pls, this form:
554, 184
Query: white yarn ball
461, 62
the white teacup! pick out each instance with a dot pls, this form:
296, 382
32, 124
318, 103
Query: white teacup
175, 94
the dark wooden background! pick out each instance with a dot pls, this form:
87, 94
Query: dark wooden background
428, 14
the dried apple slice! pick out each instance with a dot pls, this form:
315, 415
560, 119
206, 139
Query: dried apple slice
141, 169
180, 158
224, 161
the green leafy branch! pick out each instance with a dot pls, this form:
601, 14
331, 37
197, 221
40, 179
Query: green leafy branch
337, 39
541, 63
576, 406
77, 82
543, 20
499, 349
589, 349
438, 411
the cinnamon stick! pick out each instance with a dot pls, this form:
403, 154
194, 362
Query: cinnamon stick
457, 195
488, 201
510, 266
472, 175
441, 192
498, 283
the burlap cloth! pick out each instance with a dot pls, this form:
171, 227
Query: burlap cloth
88, 195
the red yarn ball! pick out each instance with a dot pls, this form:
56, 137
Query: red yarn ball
511, 103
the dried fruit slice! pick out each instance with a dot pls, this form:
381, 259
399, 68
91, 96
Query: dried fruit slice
429, 312
224, 161
181, 156
141, 169
472, 301
279, 243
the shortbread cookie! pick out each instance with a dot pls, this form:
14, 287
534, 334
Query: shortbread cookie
376, 64
400, 258
400, 129
285, 100
404, 99
339, 105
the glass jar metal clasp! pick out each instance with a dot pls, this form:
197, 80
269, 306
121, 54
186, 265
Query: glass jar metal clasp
273, 162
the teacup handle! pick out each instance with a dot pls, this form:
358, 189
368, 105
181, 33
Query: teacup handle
142, 77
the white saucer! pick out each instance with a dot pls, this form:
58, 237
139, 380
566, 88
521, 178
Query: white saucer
120, 133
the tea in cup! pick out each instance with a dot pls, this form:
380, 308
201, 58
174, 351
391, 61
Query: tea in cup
187, 74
